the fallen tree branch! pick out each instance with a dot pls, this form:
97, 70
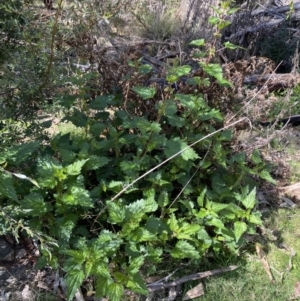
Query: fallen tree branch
156, 287
274, 81
272, 22
278, 10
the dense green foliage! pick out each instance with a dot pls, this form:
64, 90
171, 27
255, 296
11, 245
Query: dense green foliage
127, 181
201, 199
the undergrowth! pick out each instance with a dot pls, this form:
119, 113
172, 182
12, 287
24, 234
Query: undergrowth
135, 173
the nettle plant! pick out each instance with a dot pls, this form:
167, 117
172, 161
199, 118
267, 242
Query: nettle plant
202, 199
118, 187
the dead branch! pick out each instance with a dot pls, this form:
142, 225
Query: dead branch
274, 81
279, 18
156, 287
275, 11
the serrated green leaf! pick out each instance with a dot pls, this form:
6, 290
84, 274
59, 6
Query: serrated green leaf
163, 199
218, 184
170, 108
176, 145
256, 158
199, 42
74, 169
144, 92
96, 162
115, 186
155, 225
173, 223
77, 196
266, 176
101, 269
49, 173
88, 267
215, 70
34, 205
239, 229
183, 249
136, 210
216, 222
200, 199
67, 224
255, 218
77, 256
250, 200
67, 156
102, 286
150, 204
137, 284
203, 235
7, 188
20, 153
142, 234
217, 207
135, 264
115, 291
96, 129
116, 213
74, 280
145, 69
180, 71
186, 230
101, 102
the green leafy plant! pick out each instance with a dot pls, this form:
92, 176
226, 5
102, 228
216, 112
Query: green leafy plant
182, 209
130, 178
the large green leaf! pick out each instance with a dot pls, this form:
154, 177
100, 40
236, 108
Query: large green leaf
186, 230
101, 102
216, 222
22, 152
255, 157
96, 162
215, 70
239, 229
34, 205
75, 168
144, 92
200, 199
183, 249
102, 269
163, 199
116, 213
255, 218
74, 280
173, 223
137, 284
141, 234
6, 187
176, 145
102, 286
48, 173
176, 72
135, 264
266, 176
250, 200
66, 226
77, 196
115, 291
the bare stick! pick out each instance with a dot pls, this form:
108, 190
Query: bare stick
158, 287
